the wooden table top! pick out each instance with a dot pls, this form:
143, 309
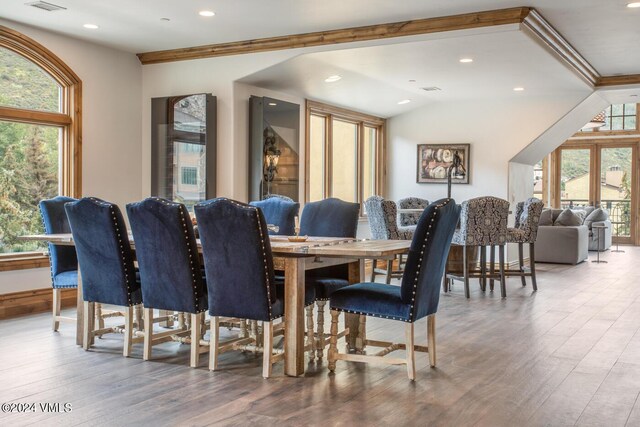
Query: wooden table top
280, 245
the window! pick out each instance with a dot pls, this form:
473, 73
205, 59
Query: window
189, 176
40, 100
618, 118
344, 153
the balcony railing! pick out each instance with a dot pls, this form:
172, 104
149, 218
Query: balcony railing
619, 213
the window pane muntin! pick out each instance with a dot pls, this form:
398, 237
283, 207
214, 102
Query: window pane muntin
25, 85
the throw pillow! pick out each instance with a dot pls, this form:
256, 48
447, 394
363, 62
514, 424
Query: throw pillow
568, 218
546, 217
581, 213
596, 216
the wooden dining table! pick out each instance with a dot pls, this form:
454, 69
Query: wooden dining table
294, 258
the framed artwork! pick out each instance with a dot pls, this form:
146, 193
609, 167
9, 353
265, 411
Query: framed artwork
434, 161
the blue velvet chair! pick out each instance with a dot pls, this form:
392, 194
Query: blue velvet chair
63, 259
106, 260
417, 296
170, 272
327, 218
279, 212
239, 269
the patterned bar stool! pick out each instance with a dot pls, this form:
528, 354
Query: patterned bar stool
170, 272
383, 222
483, 222
108, 273
407, 219
525, 231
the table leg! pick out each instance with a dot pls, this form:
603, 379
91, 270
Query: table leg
79, 312
352, 321
294, 316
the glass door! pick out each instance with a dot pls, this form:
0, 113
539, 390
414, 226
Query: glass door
576, 176
616, 189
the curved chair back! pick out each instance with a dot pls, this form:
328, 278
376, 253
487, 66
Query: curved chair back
278, 196
483, 222
528, 217
54, 218
167, 255
407, 219
280, 212
104, 252
237, 260
383, 218
330, 218
427, 257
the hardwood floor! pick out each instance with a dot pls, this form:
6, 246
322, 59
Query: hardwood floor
568, 354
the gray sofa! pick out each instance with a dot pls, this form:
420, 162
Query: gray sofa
570, 244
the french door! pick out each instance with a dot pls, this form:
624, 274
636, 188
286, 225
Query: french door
602, 174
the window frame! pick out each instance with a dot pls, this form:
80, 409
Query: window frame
598, 132
330, 112
69, 119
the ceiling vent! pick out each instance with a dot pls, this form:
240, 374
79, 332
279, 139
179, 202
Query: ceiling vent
43, 5
430, 88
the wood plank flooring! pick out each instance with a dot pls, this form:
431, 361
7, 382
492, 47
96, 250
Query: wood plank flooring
566, 355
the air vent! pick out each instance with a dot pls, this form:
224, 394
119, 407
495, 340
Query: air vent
430, 88
43, 5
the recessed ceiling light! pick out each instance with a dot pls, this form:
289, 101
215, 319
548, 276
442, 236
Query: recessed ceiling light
518, 89
206, 13
634, 4
404, 101
466, 60
91, 26
273, 104
332, 79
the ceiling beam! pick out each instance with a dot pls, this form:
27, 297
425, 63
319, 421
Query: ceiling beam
627, 79
346, 35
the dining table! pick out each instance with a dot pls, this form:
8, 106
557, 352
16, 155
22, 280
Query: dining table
294, 258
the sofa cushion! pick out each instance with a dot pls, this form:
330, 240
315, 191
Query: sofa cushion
546, 217
568, 218
596, 216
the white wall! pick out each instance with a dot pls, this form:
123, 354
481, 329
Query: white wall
111, 127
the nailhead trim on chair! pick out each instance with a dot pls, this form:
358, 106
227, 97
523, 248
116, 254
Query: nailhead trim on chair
415, 281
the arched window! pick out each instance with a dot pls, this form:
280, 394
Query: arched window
40, 142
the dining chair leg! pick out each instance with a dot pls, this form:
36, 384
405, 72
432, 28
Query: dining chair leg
483, 268
128, 331
148, 331
310, 336
532, 265
374, 263
181, 321
410, 350
389, 271
361, 339
320, 329
99, 318
503, 284
55, 308
465, 271
214, 337
492, 265
333, 341
88, 327
196, 325
139, 317
267, 328
169, 322
521, 263
431, 339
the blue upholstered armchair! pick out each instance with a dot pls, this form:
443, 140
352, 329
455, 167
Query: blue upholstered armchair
63, 259
170, 272
239, 269
280, 212
526, 231
417, 296
327, 218
106, 259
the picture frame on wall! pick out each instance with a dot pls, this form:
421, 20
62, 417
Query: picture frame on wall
433, 162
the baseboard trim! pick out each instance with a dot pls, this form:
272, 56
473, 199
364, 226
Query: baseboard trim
33, 301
